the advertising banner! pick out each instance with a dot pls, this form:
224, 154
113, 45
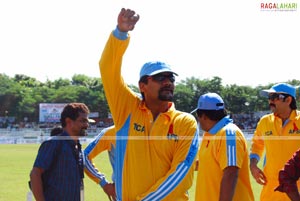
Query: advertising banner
50, 112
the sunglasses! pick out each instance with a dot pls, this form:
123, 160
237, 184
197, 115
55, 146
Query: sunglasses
162, 77
276, 96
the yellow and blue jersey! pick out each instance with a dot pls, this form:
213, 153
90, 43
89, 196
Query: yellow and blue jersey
223, 146
105, 141
153, 158
278, 141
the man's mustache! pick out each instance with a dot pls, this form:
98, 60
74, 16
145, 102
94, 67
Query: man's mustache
272, 105
166, 89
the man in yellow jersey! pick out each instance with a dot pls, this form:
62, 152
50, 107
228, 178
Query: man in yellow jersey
223, 172
278, 136
155, 144
105, 141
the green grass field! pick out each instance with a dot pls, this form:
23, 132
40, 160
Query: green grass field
16, 163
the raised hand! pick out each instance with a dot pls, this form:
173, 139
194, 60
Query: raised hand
127, 19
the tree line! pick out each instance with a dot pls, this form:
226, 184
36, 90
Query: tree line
21, 95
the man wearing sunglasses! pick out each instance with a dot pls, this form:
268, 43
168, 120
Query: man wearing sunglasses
278, 136
155, 144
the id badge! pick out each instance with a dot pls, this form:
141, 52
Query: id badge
81, 192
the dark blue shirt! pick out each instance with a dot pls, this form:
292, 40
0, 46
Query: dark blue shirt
61, 158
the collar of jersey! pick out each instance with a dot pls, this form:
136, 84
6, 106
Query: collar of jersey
223, 122
168, 113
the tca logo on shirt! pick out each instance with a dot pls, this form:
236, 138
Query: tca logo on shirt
171, 135
138, 127
268, 133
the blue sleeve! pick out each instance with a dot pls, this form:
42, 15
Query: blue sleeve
46, 155
255, 156
119, 34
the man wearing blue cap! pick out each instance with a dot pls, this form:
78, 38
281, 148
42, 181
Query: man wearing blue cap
278, 136
155, 144
223, 172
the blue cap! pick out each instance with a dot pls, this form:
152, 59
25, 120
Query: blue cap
210, 101
153, 68
280, 88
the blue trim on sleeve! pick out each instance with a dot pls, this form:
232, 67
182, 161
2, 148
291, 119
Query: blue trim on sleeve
255, 156
103, 182
231, 146
88, 164
119, 34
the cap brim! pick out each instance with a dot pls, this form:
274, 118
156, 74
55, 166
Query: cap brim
195, 110
91, 120
264, 93
162, 71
